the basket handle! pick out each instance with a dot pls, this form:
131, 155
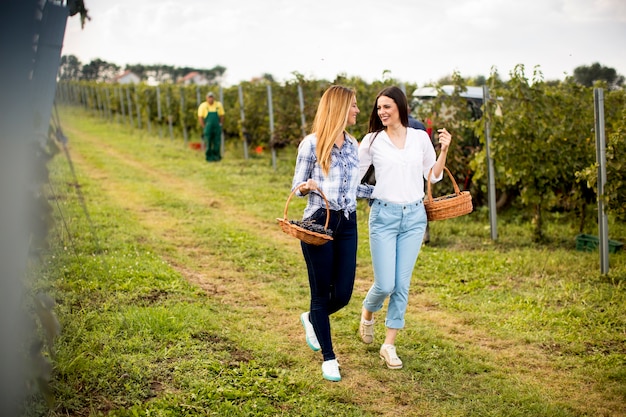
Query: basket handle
320, 192
457, 191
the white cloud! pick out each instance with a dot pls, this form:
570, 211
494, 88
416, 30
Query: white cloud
595, 10
416, 40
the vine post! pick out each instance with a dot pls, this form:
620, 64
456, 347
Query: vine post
222, 147
491, 180
122, 108
108, 105
271, 114
138, 109
168, 105
302, 117
159, 111
242, 124
182, 115
603, 225
129, 102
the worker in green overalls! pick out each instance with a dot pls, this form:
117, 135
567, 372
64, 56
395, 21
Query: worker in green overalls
211, 118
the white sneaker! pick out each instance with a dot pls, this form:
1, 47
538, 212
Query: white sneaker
388, 353
309, 332
330, 370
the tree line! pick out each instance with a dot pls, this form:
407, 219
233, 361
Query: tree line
71, 68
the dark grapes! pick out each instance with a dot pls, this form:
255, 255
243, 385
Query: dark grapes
311, 226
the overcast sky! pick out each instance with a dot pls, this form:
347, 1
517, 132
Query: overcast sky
414, 40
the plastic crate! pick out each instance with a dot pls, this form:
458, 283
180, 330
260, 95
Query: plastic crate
589, 243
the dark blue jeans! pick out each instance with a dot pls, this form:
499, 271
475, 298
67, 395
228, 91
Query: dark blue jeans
331, 268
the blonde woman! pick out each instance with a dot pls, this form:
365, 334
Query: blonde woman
328, 160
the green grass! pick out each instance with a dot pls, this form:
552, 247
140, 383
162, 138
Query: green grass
182, 297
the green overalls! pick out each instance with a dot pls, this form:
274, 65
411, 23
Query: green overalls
213, 136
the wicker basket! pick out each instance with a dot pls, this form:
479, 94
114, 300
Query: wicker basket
307, 236
448, 206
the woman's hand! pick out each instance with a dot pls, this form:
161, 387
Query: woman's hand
445, 138
308, 186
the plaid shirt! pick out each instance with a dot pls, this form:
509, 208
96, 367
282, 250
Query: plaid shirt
341, 186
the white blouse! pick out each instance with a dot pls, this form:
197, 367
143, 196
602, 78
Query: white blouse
400, 173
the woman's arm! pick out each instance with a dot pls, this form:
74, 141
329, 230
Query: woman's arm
445, 138
305, 162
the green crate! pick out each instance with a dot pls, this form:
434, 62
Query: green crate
589, 243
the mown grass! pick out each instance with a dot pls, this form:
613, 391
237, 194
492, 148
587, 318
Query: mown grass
182, 297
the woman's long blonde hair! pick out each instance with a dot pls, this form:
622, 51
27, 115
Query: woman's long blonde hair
330, 121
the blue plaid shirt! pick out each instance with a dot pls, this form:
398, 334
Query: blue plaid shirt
342, 185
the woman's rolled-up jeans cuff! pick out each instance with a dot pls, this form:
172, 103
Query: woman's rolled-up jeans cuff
394, 324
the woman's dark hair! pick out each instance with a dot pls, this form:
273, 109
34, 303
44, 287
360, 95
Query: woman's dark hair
396, 95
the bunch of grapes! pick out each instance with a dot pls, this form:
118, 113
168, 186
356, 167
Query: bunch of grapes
312, 226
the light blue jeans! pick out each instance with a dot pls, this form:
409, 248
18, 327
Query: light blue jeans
396, 233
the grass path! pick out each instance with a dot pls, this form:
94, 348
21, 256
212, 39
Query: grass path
450, 357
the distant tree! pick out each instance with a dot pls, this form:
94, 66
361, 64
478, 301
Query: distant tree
268, 77
99, 70
90, 71
70, 68
168, 73
138, 69
477, 81
587, 75
215, 74
160, 73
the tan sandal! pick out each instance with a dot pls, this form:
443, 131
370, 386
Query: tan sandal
367, 332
